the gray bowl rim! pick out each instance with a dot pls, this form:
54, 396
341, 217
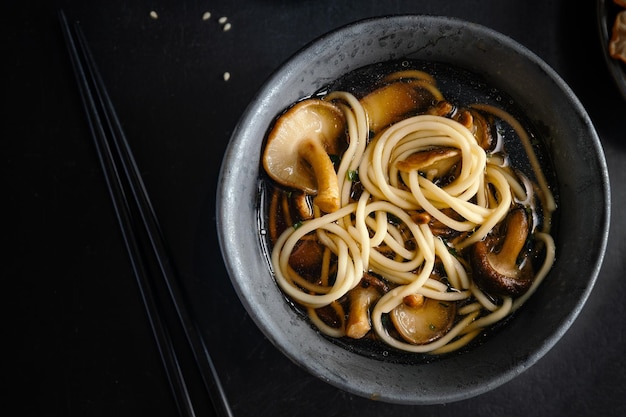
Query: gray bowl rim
242, 251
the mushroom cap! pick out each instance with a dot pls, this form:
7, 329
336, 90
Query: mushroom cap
390, 103
498, 278
434, 162
306, 257
498, 272
479, 125
311, 120
425, 322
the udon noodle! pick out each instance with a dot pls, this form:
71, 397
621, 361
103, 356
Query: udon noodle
388, 227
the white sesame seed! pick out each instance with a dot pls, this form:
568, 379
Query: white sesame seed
222, 20
154, 15
227, 27
226, 76
206, 16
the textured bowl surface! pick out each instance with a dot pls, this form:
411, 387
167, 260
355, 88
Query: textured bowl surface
583, 215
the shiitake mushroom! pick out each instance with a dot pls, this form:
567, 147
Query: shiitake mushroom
298, 148
421, 320
499, 264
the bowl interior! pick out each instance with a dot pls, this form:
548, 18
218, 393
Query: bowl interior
583, 194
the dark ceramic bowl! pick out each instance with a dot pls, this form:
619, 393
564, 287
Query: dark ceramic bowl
583, 214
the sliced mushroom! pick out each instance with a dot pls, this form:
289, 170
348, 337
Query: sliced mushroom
479, 126
436, 226
302, 206
279, 213
390, 103
362, 297
498, 265
279, 218
331, 314
423, 322
306, 257
433, 163
442, 108
298, 147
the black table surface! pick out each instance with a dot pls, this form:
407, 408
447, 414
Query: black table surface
78, 339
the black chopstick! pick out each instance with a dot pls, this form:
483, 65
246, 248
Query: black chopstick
136, 215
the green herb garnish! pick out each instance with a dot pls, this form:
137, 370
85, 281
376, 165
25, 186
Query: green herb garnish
352, 175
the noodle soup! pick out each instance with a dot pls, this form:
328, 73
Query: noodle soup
406, 209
